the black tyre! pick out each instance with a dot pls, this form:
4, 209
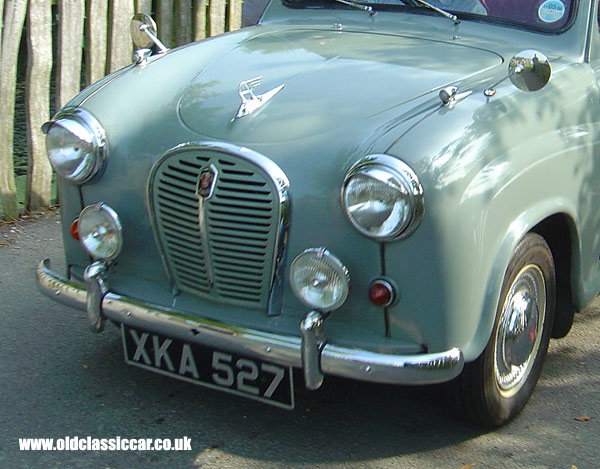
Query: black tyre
495, 387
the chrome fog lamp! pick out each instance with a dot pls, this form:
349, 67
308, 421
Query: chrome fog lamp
383, 198
76, 145
100, 232
319, 279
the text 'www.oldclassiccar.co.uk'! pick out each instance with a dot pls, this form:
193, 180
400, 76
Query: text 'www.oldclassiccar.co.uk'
76, 443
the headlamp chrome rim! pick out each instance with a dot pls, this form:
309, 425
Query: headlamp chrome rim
404, 177
337, 266
96, 134
113, 218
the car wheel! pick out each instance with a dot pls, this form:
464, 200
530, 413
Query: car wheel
495, 387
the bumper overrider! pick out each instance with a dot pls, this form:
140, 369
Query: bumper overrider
310, 351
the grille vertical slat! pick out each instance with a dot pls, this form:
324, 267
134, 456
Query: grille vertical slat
241, 219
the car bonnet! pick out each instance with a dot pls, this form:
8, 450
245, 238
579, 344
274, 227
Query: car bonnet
330, 79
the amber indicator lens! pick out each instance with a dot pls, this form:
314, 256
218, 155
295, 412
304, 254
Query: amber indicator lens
74, 229
381, 293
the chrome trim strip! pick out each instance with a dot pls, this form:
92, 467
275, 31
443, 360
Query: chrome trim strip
282, 184
282, 349
106, 81
202, 222
204, 236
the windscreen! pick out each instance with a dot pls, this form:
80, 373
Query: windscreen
546, 15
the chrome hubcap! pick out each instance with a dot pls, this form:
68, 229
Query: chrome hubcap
519, 330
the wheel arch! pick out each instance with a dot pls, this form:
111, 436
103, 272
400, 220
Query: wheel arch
560, 233
556, 223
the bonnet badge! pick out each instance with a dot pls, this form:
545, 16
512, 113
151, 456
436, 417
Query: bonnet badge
250, 101
206, 182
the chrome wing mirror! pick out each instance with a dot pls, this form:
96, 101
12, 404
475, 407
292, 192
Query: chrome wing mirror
144, 37
529, 70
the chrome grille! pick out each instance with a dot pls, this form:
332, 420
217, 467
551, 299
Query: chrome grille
242, 222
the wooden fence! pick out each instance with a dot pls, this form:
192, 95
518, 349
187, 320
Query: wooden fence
91, 38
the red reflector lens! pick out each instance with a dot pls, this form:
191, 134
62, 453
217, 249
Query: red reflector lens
381, 293
74, 229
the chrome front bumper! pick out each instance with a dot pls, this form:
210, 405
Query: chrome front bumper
311, 352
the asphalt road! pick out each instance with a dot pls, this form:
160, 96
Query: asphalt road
59, 380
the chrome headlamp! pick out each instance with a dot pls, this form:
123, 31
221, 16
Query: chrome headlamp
383, 198
319, 279
100, 232
76, 145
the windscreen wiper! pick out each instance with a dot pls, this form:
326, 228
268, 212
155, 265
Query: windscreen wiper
360, 6
439, 10
353, 4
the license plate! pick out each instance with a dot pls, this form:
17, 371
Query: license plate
216, 369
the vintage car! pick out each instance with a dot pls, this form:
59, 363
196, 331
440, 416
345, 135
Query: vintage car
389, 191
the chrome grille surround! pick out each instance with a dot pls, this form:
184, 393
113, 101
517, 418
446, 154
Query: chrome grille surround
229, 247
